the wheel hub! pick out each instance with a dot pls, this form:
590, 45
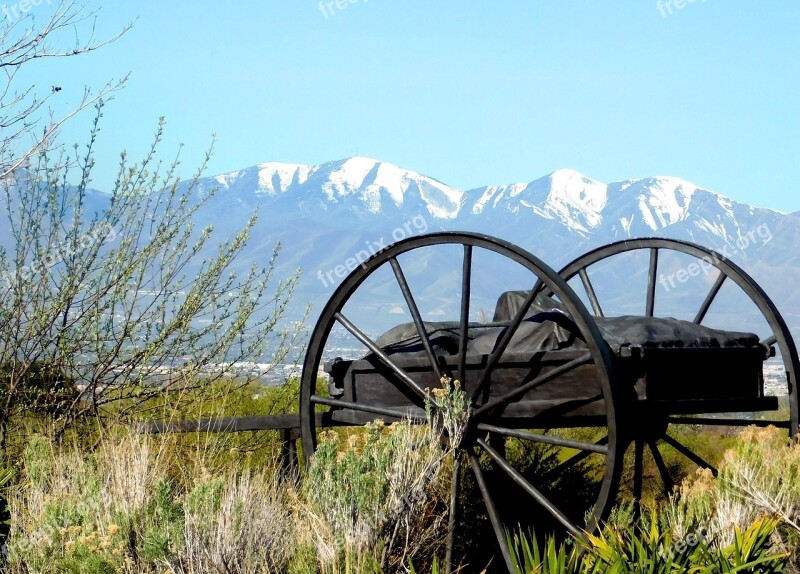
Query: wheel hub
646, 425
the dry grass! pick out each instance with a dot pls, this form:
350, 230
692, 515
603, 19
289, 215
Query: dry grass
245, 527
143, 504
127, 508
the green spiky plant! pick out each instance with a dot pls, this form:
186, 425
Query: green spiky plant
552, 558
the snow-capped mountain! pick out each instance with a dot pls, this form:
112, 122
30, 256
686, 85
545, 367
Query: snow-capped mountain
357, 186
332, 216
327, 214
631, 208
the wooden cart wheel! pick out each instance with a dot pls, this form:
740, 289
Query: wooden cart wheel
488, 420
651, 436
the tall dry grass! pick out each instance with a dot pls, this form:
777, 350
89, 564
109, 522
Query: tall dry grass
370, 502
127, 507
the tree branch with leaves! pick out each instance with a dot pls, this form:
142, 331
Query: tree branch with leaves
132, 301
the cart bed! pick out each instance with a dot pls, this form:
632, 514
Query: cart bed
684, 367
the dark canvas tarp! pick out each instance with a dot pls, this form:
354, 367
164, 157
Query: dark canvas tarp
548, 327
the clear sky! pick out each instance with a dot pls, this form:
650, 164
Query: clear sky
471, 93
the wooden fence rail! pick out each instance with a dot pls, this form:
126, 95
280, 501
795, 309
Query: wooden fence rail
288, 427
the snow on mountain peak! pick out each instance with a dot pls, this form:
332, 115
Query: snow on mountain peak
270, 178
564, 195
364, 186
374, 181
661, 201
574, 188
345, 177
275, 177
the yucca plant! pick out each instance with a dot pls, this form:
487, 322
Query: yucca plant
750, 552
641, 547
650, 548
435, 569
552, 558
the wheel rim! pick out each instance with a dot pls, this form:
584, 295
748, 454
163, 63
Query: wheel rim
483, 416
728, 272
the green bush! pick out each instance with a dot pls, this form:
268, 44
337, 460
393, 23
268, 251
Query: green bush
369, 496
41, 388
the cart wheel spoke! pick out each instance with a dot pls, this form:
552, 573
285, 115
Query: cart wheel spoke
689, 453
587, 285
378, 352
491, 509
534, 493
501, 346
463, 336
572, 461
638, 473
662, 467
414, 310
540, 380
452, 516
651, 282
554, 440
701, 313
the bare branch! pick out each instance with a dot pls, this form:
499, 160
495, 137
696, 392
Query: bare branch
26, 126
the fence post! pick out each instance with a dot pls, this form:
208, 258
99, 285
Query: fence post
288, 456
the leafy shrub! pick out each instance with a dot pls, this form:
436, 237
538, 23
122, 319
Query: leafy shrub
39, 388
369, 497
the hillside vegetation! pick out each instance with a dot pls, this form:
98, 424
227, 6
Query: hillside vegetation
373, 500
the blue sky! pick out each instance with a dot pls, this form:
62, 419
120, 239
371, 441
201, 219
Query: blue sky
471, 93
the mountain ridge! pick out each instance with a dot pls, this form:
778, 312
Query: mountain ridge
581, 203
325, 214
